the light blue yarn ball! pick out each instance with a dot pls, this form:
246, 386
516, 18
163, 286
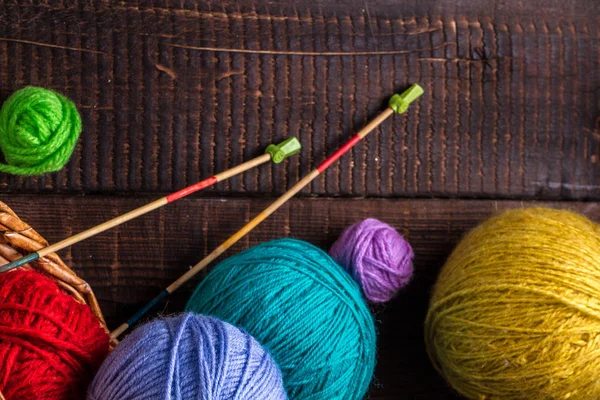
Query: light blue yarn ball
304, 308
188, 357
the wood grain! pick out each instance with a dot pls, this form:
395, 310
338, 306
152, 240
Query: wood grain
173, 91
129, 265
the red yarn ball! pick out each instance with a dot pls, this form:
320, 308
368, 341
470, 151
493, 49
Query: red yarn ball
50, 345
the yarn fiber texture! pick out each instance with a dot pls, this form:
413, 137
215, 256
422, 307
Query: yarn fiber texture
304, 308
38, 131
377, 256
50, 345
188, 357
515, 313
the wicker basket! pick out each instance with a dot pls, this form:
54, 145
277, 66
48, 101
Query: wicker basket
17, 238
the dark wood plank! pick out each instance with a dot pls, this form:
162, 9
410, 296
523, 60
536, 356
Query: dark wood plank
131, 264
173, 92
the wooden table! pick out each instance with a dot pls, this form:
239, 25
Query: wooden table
172, 91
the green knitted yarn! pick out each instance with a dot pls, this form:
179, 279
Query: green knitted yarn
303, 307
38, 131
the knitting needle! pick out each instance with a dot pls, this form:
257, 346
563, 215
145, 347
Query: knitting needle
275, 153
398, 103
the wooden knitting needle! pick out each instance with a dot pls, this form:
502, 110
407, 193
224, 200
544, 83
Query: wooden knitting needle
276, 153
398, 103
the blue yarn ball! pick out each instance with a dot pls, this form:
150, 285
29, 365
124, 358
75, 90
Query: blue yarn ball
304, 308
188, 357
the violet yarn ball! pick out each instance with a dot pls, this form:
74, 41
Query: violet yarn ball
378, 257
188, 357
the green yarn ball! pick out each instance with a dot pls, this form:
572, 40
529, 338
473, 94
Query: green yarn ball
38, 131
303, 307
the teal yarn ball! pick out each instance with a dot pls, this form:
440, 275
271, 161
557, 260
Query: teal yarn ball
304, 308
39, 129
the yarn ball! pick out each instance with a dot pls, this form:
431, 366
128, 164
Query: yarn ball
304, 308
38, 131
378, 257
50, 345
515, 313
188, 357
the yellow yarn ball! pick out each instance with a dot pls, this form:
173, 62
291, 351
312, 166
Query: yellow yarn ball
515, 313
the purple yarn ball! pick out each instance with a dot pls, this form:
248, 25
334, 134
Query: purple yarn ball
378, 257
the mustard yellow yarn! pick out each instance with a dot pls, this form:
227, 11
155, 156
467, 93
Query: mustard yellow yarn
515, 313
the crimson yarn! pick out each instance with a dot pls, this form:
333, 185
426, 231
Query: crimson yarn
378, 257
50, 345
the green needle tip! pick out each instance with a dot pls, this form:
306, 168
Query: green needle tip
400, 102
283, 150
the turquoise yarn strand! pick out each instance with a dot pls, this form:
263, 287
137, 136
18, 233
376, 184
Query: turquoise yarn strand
303, 307
39, 129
